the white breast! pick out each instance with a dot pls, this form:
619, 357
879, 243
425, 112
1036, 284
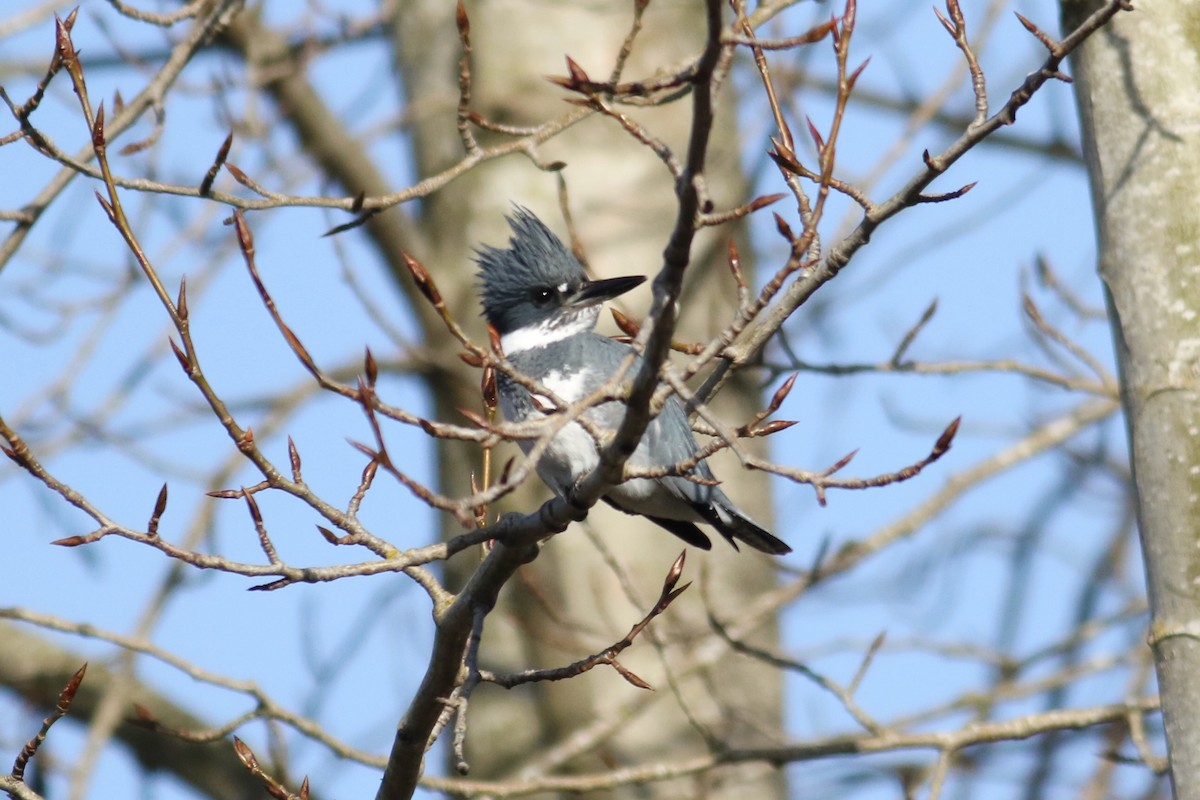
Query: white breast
571, 388
571, 455
573, 452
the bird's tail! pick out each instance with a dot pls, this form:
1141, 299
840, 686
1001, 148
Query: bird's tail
734, 525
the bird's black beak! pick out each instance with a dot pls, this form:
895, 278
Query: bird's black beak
593, 292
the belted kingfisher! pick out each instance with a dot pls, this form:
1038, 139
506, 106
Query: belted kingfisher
537, 297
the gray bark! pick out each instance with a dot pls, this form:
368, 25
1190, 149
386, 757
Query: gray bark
1137, 83
568, 602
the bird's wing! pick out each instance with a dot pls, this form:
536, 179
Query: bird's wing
669, 440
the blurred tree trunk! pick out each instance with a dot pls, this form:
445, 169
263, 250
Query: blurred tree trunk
1136, 85
36, 670
568, 603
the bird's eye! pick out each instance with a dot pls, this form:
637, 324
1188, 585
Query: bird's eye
543, 295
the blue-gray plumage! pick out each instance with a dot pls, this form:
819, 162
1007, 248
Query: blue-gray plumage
536, 295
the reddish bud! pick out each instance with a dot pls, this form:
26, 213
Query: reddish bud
238, 175
854, 75
815, 134
947, 438
675, 572
781, 393
68, 693
629, 676
245, 755
773, 427
488, 388
211, 175
1027, 23
421, 277
578, 76
461, 19
849, 16
735, 265
294, 459
160, 505
765, 200
98, 128
370, 367
181, 306
252, 504
108, 209
625, 323
784, 229
785, 158
183, 362
842, 462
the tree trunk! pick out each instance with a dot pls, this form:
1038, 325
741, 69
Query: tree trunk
1136, 83
569, 603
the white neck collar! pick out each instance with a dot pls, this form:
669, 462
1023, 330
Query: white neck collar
550, 330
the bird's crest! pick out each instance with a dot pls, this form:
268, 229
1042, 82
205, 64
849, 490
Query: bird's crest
534, 257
